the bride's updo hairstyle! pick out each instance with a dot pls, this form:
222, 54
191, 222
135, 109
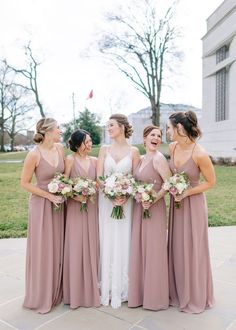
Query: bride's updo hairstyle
43, 125
189, 122
122, 120
77, 138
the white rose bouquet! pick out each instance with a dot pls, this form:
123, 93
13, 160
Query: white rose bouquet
61, 186
117, 185
144, 192
176, 185
86, 188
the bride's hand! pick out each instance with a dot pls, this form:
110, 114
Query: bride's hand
119, 201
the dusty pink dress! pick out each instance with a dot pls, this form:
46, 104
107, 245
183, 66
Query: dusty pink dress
190, 278
148, 276
81, 257
44, 255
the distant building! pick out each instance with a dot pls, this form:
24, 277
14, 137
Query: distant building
219, 82
142, 118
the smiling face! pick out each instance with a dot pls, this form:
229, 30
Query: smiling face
86, 146
114, 129
171, 131
153, 140
55, 133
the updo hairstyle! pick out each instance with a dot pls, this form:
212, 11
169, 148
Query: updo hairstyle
189, 122
43, 125
123, 121
77, 138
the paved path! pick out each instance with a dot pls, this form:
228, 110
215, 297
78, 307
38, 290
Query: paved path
221, 317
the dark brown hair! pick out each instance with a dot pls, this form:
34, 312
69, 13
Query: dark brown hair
123, 121
189, 122
43, 125
77, 138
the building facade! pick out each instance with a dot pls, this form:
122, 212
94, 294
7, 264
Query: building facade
218, 121
142, 118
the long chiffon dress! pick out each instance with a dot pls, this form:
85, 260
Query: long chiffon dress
44, 255
190, 277
81, 256
148, 275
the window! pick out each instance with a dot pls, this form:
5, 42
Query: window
222, 54
221, 94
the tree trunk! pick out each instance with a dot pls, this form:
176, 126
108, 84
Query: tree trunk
1, 135
155, 114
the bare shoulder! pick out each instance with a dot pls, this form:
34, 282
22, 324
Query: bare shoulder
159, 159
103, 149
60, 147
200, 152
33, 155
70, 158
135, 150
94, 160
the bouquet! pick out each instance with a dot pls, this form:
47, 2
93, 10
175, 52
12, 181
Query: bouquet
117, 185
86, 188
61, 186
176, 185
144, 192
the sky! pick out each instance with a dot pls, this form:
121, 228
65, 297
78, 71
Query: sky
61, 30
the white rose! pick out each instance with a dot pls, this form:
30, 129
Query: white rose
65, 190
53, 187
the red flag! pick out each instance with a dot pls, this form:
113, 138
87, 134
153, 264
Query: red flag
90, 95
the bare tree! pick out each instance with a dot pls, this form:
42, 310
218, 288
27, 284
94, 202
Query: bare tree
19, 107
31, 75
6, 81
139, 46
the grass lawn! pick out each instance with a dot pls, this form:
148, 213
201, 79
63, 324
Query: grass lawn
14, 200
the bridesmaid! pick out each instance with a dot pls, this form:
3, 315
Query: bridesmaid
148, 285
81, 257
44, 255
190, 278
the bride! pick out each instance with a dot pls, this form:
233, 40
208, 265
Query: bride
115, 235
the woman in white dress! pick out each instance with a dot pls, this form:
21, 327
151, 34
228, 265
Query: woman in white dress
115, 234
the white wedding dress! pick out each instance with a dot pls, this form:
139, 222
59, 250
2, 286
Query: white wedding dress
115, 238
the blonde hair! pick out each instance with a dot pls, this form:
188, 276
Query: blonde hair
43, 125
122, 120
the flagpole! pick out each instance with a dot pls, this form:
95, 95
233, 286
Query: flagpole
73, 107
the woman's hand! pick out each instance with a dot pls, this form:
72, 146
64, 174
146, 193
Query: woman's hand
56, 200
80, 198
178, 198
119, 201
146, 205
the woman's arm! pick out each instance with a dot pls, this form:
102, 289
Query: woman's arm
30, 163
100, 163
162, 167
68, 165
135, 158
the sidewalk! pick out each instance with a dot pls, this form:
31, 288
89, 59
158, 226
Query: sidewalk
221, 317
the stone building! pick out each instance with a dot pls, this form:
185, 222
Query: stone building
219, 82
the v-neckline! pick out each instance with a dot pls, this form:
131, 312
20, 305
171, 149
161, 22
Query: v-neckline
179, 167
58, 160
117, 162
142, 168
85, 171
